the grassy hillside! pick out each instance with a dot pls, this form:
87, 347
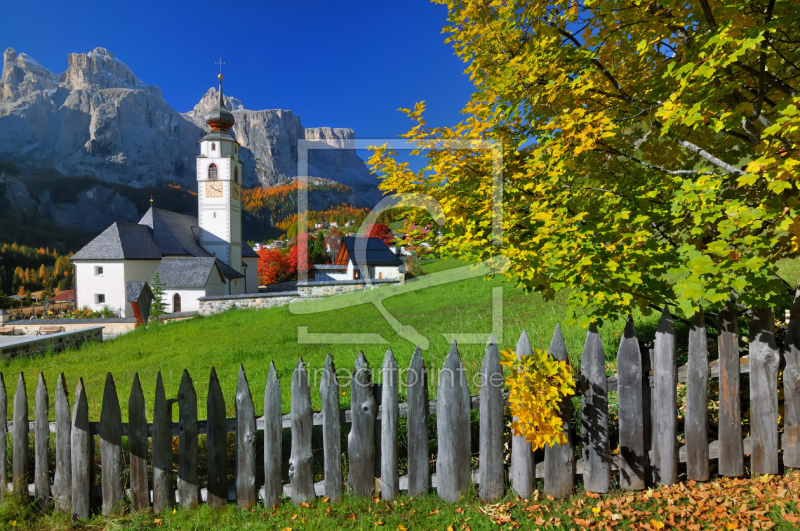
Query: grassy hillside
255, 338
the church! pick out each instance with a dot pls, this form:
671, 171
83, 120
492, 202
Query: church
193, 256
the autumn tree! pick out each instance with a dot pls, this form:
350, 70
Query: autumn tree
648, 152
380, 231
273, 266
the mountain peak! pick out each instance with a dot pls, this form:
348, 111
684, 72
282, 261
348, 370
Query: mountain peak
23, 75
100, 69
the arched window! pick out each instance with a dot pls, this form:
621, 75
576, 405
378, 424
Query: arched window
236, 149
176, 303
212, 172
213, 146
236, 174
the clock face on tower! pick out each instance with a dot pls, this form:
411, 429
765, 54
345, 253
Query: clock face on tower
213, 189
235, 191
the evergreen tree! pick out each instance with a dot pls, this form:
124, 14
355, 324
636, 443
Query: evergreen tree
318, 254
158, 307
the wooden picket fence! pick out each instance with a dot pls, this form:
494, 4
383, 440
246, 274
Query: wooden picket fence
648, 446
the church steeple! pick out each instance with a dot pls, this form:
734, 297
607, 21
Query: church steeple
220, 118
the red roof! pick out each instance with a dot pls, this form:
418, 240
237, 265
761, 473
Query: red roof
64, 296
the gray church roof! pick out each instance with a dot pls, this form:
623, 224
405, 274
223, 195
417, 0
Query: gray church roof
377, 252
176, 272
160, 233
121, 241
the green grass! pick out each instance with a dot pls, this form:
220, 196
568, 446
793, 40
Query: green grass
256, 338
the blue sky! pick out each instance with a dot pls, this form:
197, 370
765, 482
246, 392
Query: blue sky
338, 64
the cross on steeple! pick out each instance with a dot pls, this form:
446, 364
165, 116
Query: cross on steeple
220, 63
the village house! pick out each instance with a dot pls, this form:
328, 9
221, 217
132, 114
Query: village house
361, 258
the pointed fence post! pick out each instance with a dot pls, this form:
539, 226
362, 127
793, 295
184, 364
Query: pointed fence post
361, 440
20, 439
629, 393
3, 438
559, 460
273, 489
594, 414
390, 417
246, 496
453, 464
216, 444
764, 361
791, 389
666, 401
419, 476
696, 423
331, 430
111, 448
188, 481
163, 495
522, 472
301, 471
82, 455
491, 472
731, 447
42, 443
137, 443
62, 481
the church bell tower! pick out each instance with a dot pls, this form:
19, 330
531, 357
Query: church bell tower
219, 188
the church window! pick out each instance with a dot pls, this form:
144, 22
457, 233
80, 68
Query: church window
212, 172
98, 271
176, 303
99, 298
236, 174
356, 274
236, 149
213, 146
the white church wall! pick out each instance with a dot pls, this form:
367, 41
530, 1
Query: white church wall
251, 274
189, 299
96, 289
215, 287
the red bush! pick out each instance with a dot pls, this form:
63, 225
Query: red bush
273, 266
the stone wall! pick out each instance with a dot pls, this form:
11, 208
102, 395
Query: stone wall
251, 301
30, 345
309, 290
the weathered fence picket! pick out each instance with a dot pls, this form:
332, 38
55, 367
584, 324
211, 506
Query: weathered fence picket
559, 460
20, 439
272, 438
390, 417
137, 443
491, 474
665, 401
62, 481
419, 477
522, 471
82, 455
111, 448
361, 440
246, 496
301, 466
216, 444
696, 421
331, 430
163, 495
452, 423
41, 443
188, 480
647, 409
764, 361
594, 417
629, 393
791, 388
731, 458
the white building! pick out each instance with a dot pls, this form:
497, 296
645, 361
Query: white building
194, 256
359, 258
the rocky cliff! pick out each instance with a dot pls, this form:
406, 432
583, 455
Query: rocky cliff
99, 120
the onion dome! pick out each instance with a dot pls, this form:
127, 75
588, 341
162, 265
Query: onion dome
220, 118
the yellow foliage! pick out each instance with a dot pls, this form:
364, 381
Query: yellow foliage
538, 383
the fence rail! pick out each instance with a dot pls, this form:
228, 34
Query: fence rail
649, 452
